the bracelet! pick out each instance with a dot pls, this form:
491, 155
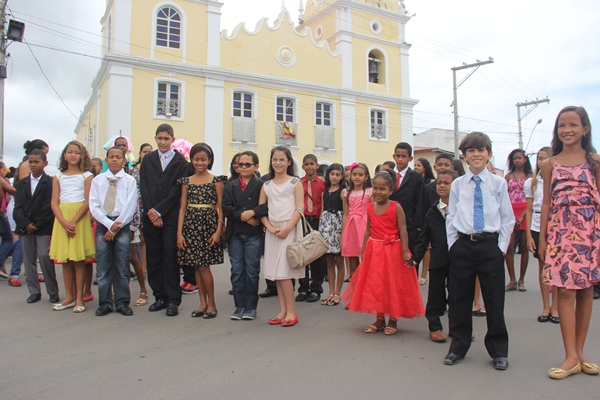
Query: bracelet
221, 221
112, 233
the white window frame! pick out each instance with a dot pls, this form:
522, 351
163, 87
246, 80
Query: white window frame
168, 81
385, 123
182, 44
295, 108
254, 102
332, 112
384, 63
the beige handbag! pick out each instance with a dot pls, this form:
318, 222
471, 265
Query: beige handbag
307, 249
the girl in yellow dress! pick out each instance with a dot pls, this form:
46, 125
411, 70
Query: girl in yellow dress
72, 241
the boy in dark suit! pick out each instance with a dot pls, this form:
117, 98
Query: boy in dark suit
434, 232
409, 189
34, 218
479, 224
161, 195
244, 235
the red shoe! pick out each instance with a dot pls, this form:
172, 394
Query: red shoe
184, 285
275, 321
41, 278
289, 322
15, 282
89, 298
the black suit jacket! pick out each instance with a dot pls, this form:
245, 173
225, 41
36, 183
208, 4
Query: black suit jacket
409, 196
34, 208
430, 196
433, 232
235, 202
160, 189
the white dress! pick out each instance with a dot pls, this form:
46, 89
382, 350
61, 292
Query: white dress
282, 204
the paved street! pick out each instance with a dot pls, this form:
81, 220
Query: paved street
62, 355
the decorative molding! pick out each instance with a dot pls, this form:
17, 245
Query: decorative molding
241, 146
354, 5
322, 152
285, 57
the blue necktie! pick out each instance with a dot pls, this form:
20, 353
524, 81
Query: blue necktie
478, 223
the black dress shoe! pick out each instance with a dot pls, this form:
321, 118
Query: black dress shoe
452, 359
313, 297
34, 298
103, 310
268, 293
54, 298
157, 306
500, 363
172, 310
125, 310
301, 297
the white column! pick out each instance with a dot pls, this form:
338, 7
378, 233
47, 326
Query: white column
348, 130
344, 44
213, 120
121, 29
120, 88
213, 30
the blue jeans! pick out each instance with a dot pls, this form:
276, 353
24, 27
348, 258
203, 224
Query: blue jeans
112, 266
17, 259
244, 254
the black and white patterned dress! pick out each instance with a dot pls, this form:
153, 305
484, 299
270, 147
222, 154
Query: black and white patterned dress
331, 220
199, 224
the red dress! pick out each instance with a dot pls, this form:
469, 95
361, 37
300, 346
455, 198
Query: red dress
383, 284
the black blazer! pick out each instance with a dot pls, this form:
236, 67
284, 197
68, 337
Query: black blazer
433, 232
430, 196
235, 202
34, 208
409, 196
160, 189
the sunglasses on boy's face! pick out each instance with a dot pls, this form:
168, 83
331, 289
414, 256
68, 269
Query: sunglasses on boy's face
245, 165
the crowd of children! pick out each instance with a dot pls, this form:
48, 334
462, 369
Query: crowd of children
170, 213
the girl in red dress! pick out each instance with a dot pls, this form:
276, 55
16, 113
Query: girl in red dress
385, 284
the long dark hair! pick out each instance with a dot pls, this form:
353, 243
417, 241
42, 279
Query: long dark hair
428, 177
527, 168
335, 167
586, 140
367, 183
140, 154
291, 170
458, 166
232, 174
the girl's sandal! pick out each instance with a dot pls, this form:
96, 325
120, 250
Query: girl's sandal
521, 286
391, 330
325, 302
142, 301
334, 301
374, 328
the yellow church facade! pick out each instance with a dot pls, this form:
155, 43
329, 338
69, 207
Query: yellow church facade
334, 84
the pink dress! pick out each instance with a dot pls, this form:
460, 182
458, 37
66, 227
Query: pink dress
573, 232
516, 194
356, 223
282, 204
383, 284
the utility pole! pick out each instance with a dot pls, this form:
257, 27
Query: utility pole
2, 78
455, 102
533, 103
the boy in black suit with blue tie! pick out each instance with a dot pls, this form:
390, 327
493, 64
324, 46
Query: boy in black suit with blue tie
479, 223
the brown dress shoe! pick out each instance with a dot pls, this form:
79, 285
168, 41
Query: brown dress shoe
437, 336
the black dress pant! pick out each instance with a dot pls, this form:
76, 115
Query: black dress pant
189, 274
316, 268
483, 259
436, 298
161, 255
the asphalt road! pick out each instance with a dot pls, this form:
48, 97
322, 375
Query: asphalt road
62, 355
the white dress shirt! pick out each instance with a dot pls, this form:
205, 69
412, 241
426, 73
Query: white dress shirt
125, 204
537, 197
399, 176
443, 207
497, 210
167, 157
34, 182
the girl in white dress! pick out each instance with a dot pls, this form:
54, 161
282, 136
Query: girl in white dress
285, 198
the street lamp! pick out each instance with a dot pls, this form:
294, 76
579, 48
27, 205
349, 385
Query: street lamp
531, 134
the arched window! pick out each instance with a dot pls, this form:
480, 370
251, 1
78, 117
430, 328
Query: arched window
376, 65
168, 28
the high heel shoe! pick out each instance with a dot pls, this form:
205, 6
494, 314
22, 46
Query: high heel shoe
559, 373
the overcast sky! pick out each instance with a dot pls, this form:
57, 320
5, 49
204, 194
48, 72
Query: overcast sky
540, 47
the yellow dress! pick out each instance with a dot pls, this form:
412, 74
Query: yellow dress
82, 246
